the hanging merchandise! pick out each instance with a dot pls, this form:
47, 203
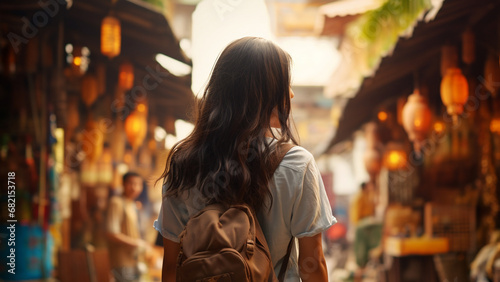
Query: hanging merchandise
89, 89
454, 92
126, 76
105, 167
449, 58
468, 47
92, 141
416, 118
73, 117
492, 75
118, 141
32, 55
373, 161
89, 173
110, 36
10, 61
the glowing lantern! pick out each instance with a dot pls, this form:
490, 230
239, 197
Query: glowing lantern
492, 74
382, 116
495, 125
136, 126
395, 158
89, 89
439, 127
416, 118
110, 37
126, 76
454, 91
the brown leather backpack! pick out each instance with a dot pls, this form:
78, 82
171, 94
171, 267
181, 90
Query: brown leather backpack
227, 244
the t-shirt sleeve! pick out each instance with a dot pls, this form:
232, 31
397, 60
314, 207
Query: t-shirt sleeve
172, 218
114, 216
311, 212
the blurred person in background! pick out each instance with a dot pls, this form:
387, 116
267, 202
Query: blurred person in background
123, 231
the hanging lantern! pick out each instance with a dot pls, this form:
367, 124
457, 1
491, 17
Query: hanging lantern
382, 116
449, 58
439, 127
126, 76
110, 37
468, 47
454, 92
136, 127
89, 89
93, 141
495, 125
142, 109
395, 157
416, 118
492, 75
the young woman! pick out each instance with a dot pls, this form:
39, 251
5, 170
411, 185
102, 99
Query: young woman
226, 159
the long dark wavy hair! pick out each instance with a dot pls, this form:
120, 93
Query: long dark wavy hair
227, 157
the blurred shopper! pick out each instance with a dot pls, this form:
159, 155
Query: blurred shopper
233, 143
368, 232
123, 232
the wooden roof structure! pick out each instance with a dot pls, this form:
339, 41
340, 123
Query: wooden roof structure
421, 52
145, 33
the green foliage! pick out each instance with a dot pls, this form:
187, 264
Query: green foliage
157, 3
377, 31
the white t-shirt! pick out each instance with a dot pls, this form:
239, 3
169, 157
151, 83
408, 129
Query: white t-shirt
300, 209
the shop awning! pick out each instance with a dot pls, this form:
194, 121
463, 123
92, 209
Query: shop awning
394, 76
145, 33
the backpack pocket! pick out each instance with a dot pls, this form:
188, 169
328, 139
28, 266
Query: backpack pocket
227, 265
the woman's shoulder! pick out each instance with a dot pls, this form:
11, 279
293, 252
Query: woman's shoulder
297, 158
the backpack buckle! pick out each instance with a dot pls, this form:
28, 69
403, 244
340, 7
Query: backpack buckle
250, 247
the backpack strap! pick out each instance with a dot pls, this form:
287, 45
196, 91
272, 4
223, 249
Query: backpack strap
282, 150
286, 258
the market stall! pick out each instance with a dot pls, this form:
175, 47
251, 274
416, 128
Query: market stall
83, 91
428, 116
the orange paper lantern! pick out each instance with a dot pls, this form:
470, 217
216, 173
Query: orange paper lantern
110, 37
136, 127
395, 159
126, 76
454, 91
416, 118
89, 89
